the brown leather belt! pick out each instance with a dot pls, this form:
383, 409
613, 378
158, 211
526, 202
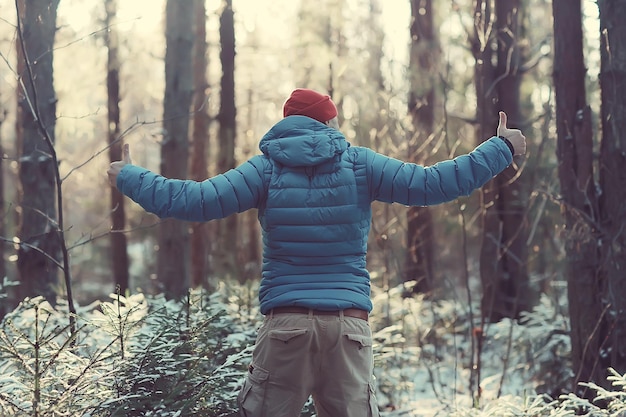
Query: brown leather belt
348, 312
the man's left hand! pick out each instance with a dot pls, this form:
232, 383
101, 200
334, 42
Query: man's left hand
116, 167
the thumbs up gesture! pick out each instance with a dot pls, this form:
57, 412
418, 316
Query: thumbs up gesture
513, 135
116, 167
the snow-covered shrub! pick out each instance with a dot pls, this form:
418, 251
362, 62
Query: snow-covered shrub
43, 370
549, 356
427, 353
606, 403
416, 347
510, 406
181, 361
148, 356
133, 356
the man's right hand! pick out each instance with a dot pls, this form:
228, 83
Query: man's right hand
513, 135
116, 167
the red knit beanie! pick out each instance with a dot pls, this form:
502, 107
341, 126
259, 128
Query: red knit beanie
305, 102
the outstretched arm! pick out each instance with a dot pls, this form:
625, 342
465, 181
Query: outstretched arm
392, 180
235, 191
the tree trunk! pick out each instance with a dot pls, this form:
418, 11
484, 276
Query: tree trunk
200, 141
119, 253
503, 256
173, 256
226, 254
39, 253
420, 230
483, 48
579, 206
612, 177
513, 254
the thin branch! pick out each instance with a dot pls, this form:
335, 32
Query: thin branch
44, 131
104, 149
109, 232
35, 248
588, 341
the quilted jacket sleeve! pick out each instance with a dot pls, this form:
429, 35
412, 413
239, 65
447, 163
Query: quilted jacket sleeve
237, 190
394, 181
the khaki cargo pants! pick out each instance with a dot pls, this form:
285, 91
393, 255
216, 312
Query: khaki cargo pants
297, 355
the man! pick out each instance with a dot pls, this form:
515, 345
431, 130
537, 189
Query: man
313, 193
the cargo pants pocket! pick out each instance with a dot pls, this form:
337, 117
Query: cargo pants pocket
373, 403
361, 345
362, 341
252, 395
286, 335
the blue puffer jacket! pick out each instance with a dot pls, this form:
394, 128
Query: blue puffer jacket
313, 193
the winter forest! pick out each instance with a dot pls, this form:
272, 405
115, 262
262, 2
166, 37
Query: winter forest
508, 302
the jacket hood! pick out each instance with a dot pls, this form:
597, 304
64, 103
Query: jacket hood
299, 141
